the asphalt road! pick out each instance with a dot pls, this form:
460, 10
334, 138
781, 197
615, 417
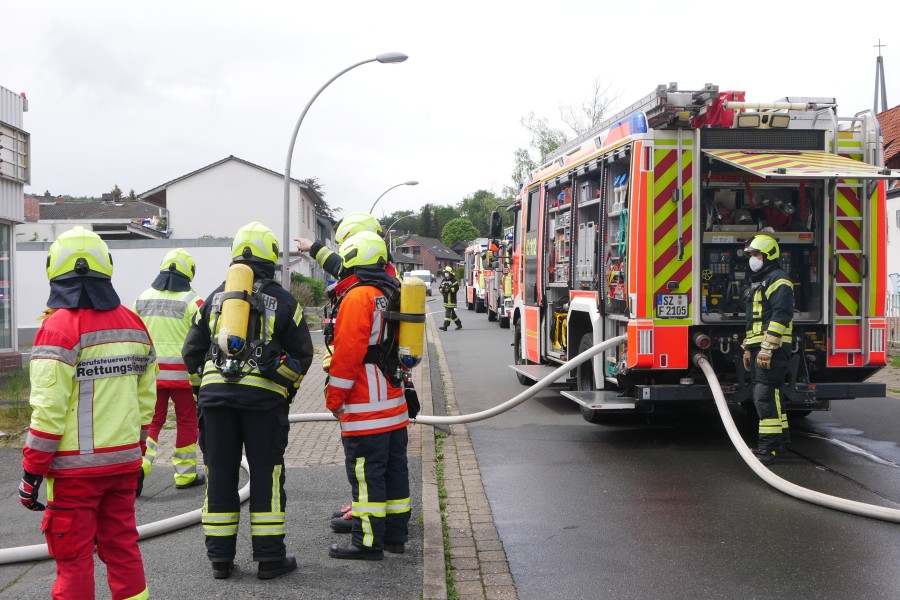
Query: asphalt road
664, 507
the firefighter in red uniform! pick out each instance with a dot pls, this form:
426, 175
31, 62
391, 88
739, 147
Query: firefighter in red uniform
167, 309
370, 405
93, 388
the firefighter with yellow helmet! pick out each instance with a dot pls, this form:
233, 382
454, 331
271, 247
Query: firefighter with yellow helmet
168, 308
93, 389
251, 346
449, 287
367, 396
770, 314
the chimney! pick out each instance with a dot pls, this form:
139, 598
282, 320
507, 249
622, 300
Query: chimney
32, 208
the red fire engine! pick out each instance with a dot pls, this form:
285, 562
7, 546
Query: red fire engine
637, 229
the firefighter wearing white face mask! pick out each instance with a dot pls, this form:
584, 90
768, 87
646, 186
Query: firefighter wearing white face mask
770, 313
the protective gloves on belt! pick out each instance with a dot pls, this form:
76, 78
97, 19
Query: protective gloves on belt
28, 491
764, 358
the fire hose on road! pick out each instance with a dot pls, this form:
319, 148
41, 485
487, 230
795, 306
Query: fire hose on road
39, 551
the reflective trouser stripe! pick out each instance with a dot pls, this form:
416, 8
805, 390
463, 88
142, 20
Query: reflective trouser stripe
149, 456
266, 523
396, 507
220, 524
185, 462
770, 426
142, 596
360, 472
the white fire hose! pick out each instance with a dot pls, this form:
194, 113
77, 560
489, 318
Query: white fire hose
39, 551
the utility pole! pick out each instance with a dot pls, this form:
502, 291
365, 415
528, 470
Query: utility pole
879, 79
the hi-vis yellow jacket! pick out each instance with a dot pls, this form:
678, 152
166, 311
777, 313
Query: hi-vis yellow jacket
168, 316
93, 391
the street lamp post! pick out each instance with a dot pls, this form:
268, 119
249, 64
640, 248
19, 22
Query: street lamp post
389, 189
388, 57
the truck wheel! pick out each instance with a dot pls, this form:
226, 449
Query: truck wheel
479, 306
504, 322
584, 373
469, 305
492, 315
517, 354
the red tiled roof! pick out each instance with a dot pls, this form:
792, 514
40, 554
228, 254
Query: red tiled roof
890, 127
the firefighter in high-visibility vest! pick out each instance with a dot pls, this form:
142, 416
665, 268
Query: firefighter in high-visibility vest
93, 389
770, 315
168, 308
249, 376
449, 287
370, 405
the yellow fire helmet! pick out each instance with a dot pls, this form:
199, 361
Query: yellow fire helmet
765, 244
448, 269
363, 249
255, 242
354, 223
180, 261
79, 252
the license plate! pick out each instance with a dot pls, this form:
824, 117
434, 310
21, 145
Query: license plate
672, 306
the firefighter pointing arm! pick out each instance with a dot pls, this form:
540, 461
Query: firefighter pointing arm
770, 314
93, 388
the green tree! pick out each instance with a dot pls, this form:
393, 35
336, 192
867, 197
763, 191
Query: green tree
132, 197
117, 193
426, 224
458, 230
442, 216
478, 207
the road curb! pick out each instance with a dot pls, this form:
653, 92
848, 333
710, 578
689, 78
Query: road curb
478, 561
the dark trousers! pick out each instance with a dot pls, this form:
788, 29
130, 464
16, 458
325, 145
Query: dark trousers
450, 315
378, 473
263, 435
773, 423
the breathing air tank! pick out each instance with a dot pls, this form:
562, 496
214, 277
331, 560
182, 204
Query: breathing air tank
232, 335
412, 333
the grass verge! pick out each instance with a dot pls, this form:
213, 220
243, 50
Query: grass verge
442, 501
15, 411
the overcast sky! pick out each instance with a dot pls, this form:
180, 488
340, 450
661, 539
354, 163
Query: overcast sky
139, 93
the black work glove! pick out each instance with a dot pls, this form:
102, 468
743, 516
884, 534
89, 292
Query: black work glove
28, 491
412, 401
140, 483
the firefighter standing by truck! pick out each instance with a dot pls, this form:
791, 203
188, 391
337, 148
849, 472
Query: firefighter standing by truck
449, 288
368, 399
168, 308
93, 388
770, 313
252, 347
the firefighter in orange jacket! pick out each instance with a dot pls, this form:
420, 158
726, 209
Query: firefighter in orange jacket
93, 389
370, 405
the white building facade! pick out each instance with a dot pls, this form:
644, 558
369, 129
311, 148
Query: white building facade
14, 175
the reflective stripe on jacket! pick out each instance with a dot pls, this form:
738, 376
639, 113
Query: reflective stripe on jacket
770, 307
168, 316
93, 392
369, 402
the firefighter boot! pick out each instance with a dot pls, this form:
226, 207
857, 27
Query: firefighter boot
351, 552
395, 548
269, 569
223, 570
343, 523
768, 457
459, 324
200, 479
444, 328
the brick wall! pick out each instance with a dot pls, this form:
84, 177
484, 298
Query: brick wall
10, 361
32, 208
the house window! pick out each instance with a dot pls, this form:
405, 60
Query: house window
416, 250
